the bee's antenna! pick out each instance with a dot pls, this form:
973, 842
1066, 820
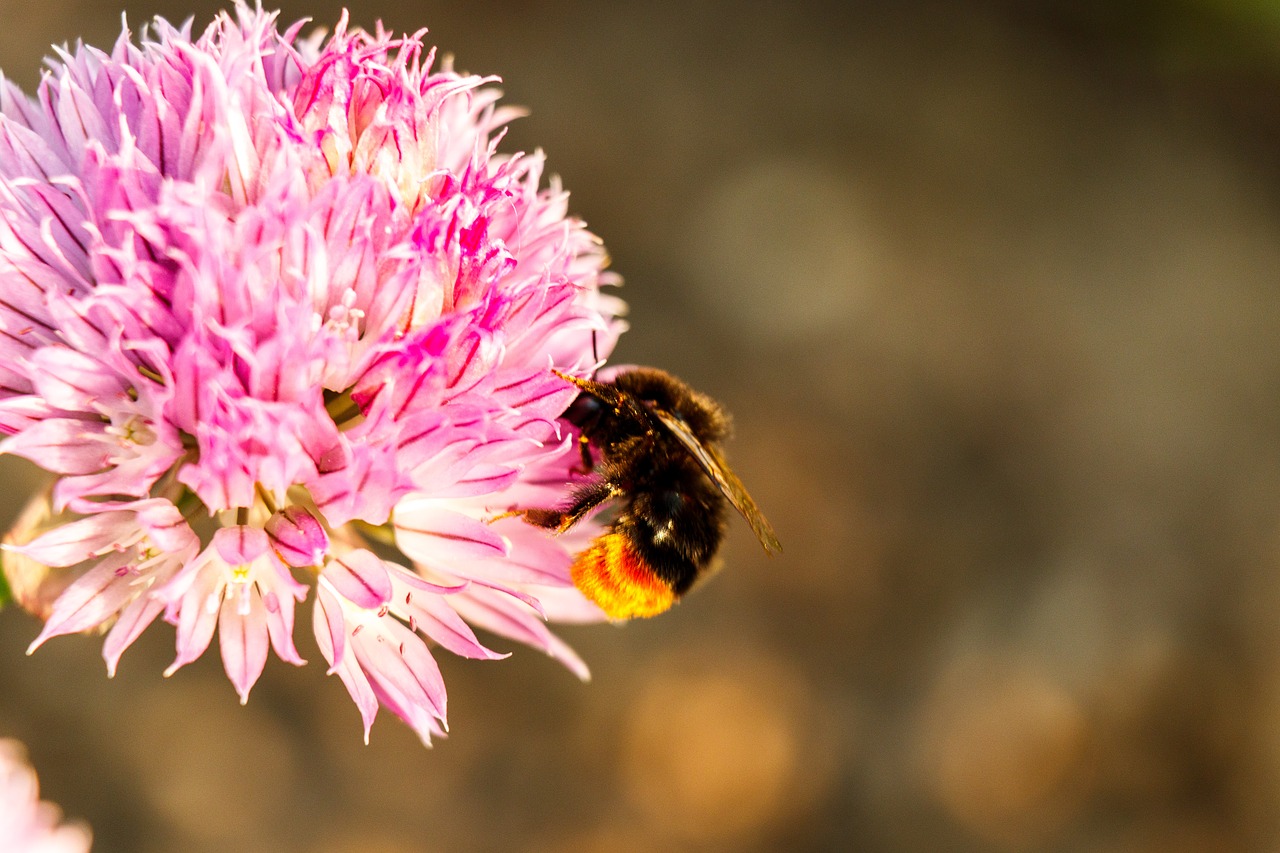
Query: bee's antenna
595, 355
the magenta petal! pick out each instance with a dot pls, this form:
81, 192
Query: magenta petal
537, 393
480, 480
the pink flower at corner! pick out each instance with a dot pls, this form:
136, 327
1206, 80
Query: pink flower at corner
28, 825
273, 310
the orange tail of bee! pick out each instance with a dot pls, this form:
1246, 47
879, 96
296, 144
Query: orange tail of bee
617, 579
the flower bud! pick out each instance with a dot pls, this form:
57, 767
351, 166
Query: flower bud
297, 537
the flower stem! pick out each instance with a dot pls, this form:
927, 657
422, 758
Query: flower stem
6, 594
344, 411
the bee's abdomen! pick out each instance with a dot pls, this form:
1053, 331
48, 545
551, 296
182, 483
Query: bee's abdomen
613, 574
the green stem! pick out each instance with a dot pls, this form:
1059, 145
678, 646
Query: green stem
267, 501
6, 594
382, 533
342, 409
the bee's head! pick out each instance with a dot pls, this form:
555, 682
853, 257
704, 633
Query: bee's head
660, 390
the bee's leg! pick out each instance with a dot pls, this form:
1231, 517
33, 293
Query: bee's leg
588, 464
585, 498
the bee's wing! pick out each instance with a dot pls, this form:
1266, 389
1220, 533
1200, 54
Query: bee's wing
719, 472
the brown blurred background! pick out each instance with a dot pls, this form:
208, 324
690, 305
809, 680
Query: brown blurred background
991, 288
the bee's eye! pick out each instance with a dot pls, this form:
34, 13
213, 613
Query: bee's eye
584, 410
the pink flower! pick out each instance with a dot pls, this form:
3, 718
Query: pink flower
278, 315
26, 824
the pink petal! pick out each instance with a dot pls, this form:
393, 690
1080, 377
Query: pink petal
508, 617
242, 634
133, 620
241, 544
196, 616
329, 626
164, 525
361, 578
417, 715
403, 580
77, 541
330, 632
279, 592
431, 615
436, 536
397, 660
92, 599
62, 445
73, 381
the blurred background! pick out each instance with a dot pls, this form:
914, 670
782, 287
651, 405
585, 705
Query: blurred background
991, 288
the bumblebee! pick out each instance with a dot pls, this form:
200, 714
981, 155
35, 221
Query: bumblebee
653, 444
